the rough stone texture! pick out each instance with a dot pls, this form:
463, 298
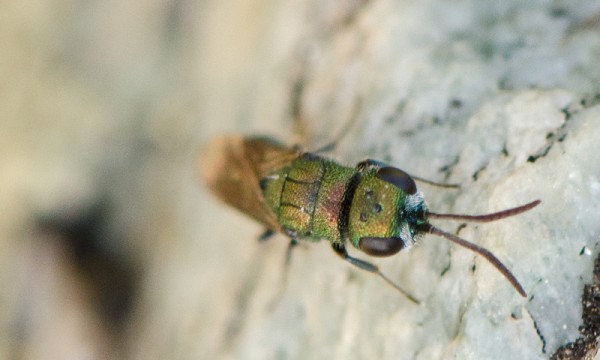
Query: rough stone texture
105, 105
587, 344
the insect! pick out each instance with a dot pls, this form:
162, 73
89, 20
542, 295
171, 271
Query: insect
374, 207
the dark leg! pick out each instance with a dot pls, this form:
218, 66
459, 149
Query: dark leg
288, 254
375, 164
266, 235
370, 163
284, 275
433, 183
340, 249
343, 132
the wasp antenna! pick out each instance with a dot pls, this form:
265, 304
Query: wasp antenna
483, 252
487, 217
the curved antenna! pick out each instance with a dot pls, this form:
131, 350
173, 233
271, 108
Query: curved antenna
481, 251
487, 217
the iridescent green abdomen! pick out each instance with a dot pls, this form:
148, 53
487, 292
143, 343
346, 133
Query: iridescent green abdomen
307, 196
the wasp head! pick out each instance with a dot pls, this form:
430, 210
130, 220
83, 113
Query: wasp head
388, 213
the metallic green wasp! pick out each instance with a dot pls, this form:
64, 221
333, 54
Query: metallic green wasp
374, 207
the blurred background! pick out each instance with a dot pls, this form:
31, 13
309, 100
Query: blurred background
101, 115
104, 108
107, 247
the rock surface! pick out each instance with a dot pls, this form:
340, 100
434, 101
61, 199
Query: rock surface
111, 247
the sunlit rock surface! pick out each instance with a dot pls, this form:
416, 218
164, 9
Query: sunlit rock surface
111, 247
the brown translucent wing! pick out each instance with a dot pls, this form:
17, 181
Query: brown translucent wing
232, 167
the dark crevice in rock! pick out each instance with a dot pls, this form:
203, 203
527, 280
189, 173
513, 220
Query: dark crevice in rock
476, 173
447, 169
537, 330
590, 101
558, 135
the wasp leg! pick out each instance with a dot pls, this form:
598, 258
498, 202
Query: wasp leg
345, 130
284, 275
370, 163
288, 254
375, 164
340, 249
433, 183
266, 235
328, 147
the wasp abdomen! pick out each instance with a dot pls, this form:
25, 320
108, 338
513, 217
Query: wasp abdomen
306, 196
299, 193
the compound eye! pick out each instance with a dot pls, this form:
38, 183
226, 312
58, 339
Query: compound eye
398, 178
380, 246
